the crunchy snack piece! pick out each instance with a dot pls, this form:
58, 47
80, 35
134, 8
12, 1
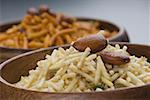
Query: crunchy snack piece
95, 42
114, 58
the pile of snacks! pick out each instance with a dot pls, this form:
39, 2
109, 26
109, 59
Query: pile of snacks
71, 70
43, 28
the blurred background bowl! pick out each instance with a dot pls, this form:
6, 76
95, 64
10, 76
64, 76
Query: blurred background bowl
12, 69
121, 36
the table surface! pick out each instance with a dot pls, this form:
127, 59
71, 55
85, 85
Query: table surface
134, 15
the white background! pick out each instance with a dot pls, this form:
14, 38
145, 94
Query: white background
134, 15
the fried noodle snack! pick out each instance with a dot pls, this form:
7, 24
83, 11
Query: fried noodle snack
44, 28
73, 71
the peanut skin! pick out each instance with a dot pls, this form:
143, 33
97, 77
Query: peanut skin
32, 11
43, 8
95, 42
114, 58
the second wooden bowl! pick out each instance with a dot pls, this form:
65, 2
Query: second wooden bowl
122, 36
12, 69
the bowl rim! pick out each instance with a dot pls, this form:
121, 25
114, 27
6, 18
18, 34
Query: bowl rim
119, 33
3, 81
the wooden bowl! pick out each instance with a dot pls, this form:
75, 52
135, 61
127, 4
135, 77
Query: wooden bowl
12, 69
122, 36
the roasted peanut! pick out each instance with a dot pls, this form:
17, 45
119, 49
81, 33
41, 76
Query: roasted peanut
68, 19
43, 8
32, 11
95, 42
114, 58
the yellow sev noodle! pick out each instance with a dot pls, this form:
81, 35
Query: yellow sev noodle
45, 30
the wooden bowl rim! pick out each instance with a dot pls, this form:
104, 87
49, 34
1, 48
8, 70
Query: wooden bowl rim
120, 27
55, 47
